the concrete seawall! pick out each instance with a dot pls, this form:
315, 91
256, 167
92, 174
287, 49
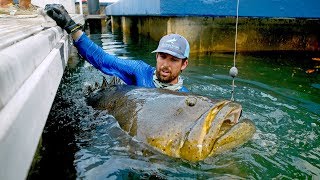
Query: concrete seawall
212, 34
33, 58
209, 25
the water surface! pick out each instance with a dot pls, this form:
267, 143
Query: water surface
273, 88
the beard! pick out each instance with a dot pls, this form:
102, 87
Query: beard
166, 78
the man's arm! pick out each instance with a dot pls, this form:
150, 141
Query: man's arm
108, 64
76, 35
94, 54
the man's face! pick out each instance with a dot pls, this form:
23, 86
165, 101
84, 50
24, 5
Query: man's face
169, 68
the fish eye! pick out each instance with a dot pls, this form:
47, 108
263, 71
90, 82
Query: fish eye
191, 101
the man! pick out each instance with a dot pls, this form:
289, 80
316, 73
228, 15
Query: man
171, 55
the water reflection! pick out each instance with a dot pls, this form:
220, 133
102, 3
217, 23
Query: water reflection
273, 89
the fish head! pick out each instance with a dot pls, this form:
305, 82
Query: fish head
181, 125
200, 139
190, 127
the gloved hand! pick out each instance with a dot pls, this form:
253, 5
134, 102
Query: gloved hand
58, 13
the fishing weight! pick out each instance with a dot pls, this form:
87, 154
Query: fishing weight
233, 72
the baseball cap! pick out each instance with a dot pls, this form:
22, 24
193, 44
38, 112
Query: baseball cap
175, 45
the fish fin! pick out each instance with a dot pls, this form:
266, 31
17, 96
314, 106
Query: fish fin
113, 81
104, 83
88, 89
96, 85
116, 81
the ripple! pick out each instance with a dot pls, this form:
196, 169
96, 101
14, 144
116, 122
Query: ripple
285, 145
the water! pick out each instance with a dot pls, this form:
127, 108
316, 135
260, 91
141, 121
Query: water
273, 88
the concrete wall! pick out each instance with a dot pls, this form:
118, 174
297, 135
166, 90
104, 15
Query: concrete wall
209, 34
23, 116
31, 68
247, 8
209, 25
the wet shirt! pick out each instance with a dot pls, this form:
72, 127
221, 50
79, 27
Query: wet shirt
132, 72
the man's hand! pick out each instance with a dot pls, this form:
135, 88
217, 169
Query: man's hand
58, 13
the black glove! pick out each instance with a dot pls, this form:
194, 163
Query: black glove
58, 13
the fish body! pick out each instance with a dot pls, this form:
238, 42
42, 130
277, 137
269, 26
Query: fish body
180, 125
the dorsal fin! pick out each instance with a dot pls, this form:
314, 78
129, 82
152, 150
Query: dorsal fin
104, 83
116, 81
113, 81
96, 85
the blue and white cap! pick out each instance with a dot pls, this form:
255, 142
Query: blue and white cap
175, 45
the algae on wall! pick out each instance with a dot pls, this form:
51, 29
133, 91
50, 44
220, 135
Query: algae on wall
216, 34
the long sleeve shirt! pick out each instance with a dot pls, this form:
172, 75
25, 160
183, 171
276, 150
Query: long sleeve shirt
132, 72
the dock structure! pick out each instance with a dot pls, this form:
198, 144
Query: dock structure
209, 25
95, 16
217, 8
34, 53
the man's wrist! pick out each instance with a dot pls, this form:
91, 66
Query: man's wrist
76, 35
73, 28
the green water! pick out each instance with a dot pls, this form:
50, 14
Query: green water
273, 88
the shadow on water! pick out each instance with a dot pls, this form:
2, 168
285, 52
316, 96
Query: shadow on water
273, 88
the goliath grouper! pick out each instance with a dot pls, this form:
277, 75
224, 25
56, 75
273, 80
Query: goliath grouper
177, 124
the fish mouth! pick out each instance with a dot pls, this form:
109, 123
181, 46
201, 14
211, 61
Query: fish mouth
199, 141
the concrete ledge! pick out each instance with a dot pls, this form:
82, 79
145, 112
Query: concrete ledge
23, 51
21, 59
14, 29
25, 114
30, 72
9, 38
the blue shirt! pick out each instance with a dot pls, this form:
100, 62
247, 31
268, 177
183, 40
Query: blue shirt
132, 72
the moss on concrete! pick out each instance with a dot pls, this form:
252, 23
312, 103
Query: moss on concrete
212, 34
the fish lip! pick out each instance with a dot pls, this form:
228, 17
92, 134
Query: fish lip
201, 138
235, 112
224, 111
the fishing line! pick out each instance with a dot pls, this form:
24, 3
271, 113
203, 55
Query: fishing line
234, 71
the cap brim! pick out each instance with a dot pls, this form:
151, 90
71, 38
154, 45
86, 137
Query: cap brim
169, 52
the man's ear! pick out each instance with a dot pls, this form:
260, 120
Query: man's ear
184, 64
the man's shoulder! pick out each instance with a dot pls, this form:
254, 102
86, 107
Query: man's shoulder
183, 89
142, 66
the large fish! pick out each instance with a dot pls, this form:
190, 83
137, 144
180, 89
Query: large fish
180, 125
